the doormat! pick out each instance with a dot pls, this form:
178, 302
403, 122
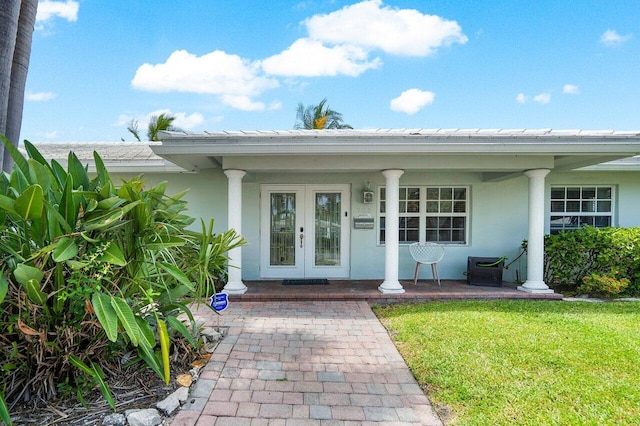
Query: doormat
309, 281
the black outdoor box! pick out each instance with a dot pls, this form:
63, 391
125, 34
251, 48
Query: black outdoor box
485, 271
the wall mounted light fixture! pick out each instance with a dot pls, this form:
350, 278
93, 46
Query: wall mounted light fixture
367, 194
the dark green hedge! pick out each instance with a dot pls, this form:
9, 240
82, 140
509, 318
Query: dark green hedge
613, 252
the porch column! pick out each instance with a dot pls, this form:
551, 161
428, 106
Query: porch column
391, 283
234, 221
535, 241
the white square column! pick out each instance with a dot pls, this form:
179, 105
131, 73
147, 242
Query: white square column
535, 241
234, 221
392, 221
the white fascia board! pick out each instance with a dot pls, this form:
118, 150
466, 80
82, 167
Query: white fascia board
329, 147
133, 167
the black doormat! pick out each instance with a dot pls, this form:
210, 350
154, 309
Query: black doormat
309, 281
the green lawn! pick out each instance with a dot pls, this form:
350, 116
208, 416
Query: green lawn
523, 362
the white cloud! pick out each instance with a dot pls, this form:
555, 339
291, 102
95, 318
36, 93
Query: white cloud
339, 43
522, 98
275, 106
243, 103
39, 96
370, 26
217, 73
411, 101
310, 58
184, 121
611, 38
542, 98
48, 9
570, 89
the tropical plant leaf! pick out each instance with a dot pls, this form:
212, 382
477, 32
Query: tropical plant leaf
91, 206
29, 204
17, 156
177, 274
95, 373
104, 220
102, 174
173, 294
179, 326
78, 171
104, 388
106, 315
68, 207
7, 204
41, 175
4, 412
164, 242
59, 172
127, 319
181, 307
24, 273
35, 294
165, 342
148, 338
149, 357
66, 248
107, 190
113, 255
55, 221
110, 203
36, 155
59, 283
77, 362
4, 286
18, 180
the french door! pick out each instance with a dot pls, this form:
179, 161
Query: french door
305, 231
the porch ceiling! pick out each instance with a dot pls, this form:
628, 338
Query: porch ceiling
497, 153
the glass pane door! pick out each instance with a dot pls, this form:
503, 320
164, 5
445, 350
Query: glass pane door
282, 229
327, 228
304, 231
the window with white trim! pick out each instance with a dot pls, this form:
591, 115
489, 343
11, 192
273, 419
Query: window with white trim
575, 206
438, 214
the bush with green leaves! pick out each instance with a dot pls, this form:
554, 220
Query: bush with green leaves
603, 285
90, 271
572, 256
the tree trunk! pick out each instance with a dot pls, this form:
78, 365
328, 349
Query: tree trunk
9, 13
19, 69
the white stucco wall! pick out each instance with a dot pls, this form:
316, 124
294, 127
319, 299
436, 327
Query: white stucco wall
498, 220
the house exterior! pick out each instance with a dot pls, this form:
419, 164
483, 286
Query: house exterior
347, 203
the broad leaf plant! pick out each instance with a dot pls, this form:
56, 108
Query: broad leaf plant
91, 270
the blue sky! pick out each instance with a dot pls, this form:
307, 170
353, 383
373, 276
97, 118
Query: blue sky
245, 65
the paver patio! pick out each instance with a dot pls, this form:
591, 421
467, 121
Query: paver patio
303, 363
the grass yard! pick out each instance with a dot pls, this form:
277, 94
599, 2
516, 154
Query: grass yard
523, 362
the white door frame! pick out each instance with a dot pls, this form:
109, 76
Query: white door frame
305, 253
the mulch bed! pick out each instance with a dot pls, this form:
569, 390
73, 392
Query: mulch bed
133, 387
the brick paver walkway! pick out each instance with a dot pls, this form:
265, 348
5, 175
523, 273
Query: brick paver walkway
304, 363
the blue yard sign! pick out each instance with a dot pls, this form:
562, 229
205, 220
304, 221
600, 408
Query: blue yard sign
219, 302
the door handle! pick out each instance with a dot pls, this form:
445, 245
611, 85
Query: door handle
301, 238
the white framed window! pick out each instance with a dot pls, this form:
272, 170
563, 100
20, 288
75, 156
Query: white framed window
429, 213
575, 206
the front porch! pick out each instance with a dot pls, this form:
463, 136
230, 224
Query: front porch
367, 290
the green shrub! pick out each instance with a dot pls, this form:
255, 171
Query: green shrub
91, 272
603, 285
571, 256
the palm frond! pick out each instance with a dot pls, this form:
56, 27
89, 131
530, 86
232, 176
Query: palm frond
318, 117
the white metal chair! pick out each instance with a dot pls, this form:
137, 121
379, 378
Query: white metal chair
428, 254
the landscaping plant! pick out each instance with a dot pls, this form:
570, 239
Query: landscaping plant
612, 254
91, 271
